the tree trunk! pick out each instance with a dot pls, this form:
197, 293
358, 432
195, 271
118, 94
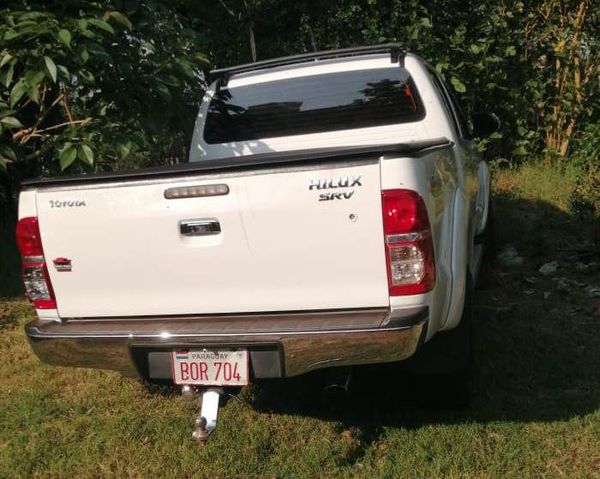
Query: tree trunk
313, 42
252, 41
570, 78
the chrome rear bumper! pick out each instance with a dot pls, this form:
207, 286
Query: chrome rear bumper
302, 342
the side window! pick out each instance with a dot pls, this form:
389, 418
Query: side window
460, 116
440, 88
451, 104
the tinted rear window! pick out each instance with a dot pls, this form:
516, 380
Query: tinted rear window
317, 103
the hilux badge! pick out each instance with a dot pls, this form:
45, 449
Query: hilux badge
343, 182
332, 183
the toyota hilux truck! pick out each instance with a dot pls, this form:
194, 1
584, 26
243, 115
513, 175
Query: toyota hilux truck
333, 213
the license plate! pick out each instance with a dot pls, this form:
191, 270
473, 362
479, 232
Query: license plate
210, 368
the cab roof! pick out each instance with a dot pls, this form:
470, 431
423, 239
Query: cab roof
395, 50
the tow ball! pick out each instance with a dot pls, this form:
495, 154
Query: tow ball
206, 419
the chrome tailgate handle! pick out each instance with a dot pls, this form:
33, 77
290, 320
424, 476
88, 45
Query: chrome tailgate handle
201, 227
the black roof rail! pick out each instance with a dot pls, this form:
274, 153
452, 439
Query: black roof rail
396, 51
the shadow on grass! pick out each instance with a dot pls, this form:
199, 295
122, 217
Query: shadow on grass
537, 347
537, 342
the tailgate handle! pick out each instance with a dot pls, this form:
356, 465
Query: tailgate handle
202, 227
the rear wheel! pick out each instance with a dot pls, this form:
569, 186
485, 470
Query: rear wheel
489, 237
444, 365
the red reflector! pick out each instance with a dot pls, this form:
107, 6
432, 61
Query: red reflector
28, 237
409, 245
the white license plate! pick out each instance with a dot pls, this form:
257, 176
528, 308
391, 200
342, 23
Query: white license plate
210, 368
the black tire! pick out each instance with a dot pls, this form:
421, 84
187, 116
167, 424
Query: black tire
443, 367
489, 238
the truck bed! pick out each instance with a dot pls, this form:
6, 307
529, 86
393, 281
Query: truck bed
237, 163
265, 233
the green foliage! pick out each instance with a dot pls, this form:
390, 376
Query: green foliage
586, 159
91, 87
124, 79
535, 64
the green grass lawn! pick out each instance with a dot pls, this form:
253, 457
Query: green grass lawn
535, 412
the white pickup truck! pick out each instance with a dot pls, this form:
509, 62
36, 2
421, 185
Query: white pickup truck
334, 212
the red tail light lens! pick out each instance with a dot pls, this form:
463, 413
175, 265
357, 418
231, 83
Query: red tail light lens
33, 268
28, 237
408, 243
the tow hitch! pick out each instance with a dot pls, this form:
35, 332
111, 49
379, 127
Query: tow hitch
206, 420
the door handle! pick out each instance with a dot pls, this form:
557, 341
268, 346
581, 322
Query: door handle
200, 227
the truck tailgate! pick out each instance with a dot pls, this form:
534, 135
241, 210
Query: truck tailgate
272, 243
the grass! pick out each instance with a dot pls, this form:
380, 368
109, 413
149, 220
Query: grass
535, 413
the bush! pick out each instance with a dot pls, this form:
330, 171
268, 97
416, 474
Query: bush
85, 87
586, 158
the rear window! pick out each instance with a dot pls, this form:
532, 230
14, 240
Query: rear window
313, 104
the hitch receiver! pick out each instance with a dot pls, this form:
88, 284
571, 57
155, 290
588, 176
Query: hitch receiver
206, 421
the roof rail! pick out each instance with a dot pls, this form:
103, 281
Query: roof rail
396, 51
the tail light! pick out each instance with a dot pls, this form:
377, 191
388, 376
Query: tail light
33, 267
408, 243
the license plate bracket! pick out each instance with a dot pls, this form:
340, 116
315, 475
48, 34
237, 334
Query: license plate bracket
223, 367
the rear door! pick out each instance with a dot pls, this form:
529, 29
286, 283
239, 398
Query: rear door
307, 238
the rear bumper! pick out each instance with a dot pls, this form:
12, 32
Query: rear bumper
298, 342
